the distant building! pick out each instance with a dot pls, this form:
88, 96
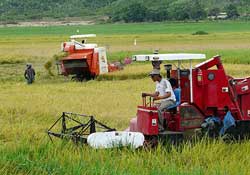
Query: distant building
222, 15
246, 15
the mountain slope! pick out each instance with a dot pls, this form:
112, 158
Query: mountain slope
11, 10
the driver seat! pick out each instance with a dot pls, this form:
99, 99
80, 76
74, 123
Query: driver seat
177, 93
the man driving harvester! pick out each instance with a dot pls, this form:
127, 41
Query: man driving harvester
163, 92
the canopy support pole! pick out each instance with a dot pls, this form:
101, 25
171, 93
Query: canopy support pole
191, 82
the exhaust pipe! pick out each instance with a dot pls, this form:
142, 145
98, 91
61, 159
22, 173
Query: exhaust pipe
168, 68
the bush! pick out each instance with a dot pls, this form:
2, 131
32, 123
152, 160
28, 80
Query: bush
200, 33
48, 67
59, 56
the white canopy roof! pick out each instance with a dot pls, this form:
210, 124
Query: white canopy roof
82, 36
169, 57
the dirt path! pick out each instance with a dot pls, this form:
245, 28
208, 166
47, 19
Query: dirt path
48, 23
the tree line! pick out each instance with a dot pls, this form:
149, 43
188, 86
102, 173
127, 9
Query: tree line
177, 11
121, 10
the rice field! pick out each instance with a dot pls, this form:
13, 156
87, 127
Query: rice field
27, 111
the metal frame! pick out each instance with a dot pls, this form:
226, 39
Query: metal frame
169, 57
80, 131
82, 36
191, 82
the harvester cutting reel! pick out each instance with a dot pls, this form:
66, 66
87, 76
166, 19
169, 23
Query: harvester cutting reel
76, 127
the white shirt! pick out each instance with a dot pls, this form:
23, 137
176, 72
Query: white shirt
163, 87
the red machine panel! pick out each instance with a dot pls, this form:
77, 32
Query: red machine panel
245, 109
211, 88
242, 95
147, 120
78, 62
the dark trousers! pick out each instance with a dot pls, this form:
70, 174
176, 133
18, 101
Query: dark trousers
164, 105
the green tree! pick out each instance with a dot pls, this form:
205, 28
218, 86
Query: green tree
160, 14
120, 10
179, 10
232, 11
135, 12
197, 11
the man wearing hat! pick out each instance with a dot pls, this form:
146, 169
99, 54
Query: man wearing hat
156, 63
163, 92
29, 74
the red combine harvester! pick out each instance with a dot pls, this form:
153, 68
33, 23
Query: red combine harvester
84, 61
200, 92
206, 98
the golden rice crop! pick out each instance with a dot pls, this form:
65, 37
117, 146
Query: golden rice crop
27, 111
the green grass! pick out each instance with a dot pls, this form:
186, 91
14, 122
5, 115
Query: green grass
27, 111
25, 43
146, 28
230, 39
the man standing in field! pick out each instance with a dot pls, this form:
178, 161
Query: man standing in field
163, 92
29, 74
